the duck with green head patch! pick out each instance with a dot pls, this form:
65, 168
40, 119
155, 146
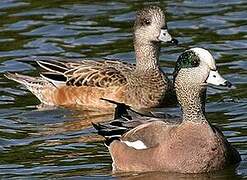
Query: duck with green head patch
187, 145
188, 59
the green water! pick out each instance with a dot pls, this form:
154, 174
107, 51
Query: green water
41, 142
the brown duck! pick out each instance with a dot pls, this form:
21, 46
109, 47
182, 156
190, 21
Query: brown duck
188, 145
84, 83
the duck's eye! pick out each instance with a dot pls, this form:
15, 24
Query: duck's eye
194, 63
146, 22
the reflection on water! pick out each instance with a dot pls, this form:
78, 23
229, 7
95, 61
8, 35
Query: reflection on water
226, 174
55, 142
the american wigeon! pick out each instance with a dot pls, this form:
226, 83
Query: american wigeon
190, 145
83, 83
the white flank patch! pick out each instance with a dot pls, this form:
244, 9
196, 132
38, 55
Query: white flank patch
136, 144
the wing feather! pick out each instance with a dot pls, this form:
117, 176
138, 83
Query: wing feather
87, 72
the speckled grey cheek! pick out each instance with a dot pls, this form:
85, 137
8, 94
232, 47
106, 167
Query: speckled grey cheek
153, 12
144, 34
190, 92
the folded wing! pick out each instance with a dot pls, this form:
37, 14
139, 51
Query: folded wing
86, 73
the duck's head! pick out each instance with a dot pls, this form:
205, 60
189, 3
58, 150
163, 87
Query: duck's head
150, 26
196, 67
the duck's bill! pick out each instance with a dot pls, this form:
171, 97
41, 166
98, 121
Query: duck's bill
166, 37
216, 79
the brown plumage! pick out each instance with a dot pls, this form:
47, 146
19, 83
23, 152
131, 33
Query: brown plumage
84, 83
190, 145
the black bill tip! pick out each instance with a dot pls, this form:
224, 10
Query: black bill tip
227, 84
174, 41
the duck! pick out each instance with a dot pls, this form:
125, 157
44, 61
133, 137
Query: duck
190, 144
73, 83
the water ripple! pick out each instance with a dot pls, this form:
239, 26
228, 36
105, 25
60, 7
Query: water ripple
48, 142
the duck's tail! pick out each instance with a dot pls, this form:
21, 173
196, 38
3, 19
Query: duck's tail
121, 110
124, 120
34, 84
109, 132
27, 81
114, 129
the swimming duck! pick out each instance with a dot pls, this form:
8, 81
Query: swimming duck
188, 145
84, 83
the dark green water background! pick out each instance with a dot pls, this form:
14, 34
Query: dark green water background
58, 143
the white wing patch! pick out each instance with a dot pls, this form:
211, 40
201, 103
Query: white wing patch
136, 144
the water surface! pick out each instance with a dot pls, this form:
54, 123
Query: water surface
50, 142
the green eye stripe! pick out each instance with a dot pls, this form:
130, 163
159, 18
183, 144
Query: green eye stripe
188, 59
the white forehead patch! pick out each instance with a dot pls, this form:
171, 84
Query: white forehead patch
205, 56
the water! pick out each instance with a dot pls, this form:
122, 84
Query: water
58, 143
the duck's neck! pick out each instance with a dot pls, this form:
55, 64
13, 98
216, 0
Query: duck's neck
192, 100
194, 108
147, 55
